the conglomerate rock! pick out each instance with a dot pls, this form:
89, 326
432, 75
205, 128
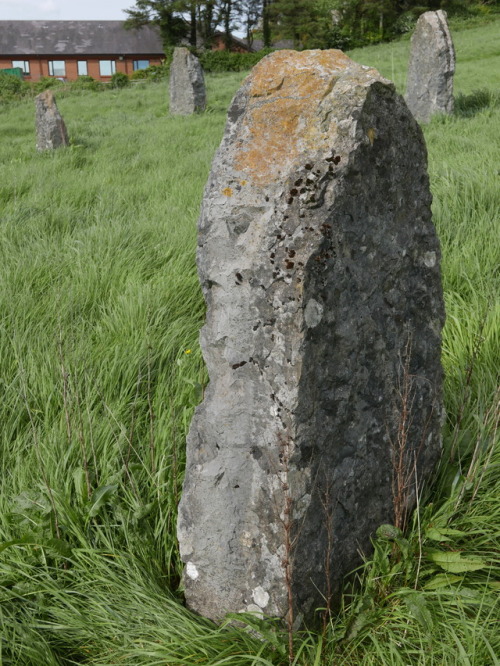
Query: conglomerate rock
50, 128
187, 83
432, 65
319, 264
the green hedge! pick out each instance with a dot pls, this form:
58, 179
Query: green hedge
226, 61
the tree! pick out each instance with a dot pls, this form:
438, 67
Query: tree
250, 12
166, 14
296, 19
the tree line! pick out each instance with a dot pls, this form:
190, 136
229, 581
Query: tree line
307, 23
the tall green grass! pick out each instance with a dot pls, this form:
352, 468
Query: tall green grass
100, 370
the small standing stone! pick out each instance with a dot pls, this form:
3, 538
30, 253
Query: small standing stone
431, 68
319, 264
50, 128
187, 83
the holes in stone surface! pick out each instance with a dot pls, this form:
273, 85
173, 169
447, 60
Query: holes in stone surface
267, 198
238, 365
272, 255
308, 167
289, 264
290, 201
298, 182
293, 192
256, 326
236, 486
291, 253
239, 278
303, 190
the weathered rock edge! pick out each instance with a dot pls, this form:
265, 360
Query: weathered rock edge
187, 83
429, 87
319, 265
51, 130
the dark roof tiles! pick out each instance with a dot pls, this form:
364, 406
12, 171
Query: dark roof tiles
76, 37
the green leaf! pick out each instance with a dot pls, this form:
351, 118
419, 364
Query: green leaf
388, 532
455, 563
443, 533
417, 606
100, 497
442, 580
28, 539
80, 484
61, 547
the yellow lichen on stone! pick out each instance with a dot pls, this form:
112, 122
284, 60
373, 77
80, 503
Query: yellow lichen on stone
371, 134
282, 118
227, 192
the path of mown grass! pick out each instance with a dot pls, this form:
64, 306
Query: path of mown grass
100, 369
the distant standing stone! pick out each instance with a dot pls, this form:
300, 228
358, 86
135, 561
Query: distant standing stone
50, 128
432, 65
319, 264
187, 83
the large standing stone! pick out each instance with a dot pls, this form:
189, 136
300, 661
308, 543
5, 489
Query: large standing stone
431, 68
319, 264
187, 83
50, 128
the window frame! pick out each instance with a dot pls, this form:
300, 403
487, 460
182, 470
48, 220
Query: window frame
56, 73
112, 67
85, 64
25, 66
136, 64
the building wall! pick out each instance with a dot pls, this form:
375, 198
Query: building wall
39, 66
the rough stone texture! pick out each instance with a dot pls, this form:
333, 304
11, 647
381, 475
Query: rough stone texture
187, 83
319, 264
50, 128
431, 68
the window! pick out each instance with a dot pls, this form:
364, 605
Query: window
82, 68
57, 68
23, 64
107, 67
140, 64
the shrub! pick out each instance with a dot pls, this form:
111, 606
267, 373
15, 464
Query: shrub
153, 73
44, 83
11, 86
226, 61
86, 83
119, 80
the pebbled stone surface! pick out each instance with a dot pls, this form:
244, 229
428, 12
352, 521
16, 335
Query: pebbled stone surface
319, 265
432, 65
50, 128
187, 83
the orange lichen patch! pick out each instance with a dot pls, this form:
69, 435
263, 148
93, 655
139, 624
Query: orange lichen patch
227, 192
283, 117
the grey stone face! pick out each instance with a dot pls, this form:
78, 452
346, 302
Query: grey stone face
319, 265
50, 128
187, 84
431, 68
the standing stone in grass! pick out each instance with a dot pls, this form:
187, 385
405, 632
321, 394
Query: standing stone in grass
432, 64
319, 264
187, 83
50, 128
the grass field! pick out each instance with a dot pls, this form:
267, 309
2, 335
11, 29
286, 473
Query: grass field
100, 370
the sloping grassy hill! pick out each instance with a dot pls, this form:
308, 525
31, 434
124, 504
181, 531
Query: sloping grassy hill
100, 370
